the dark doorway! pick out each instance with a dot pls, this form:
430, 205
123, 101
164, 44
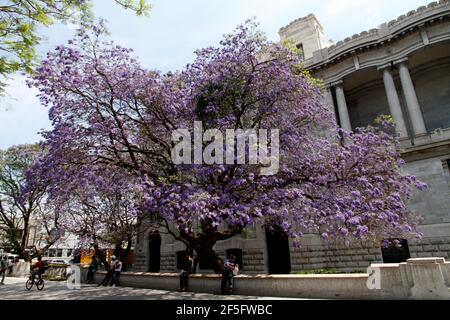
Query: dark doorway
395, 254
238, 254
154, 252
278, 255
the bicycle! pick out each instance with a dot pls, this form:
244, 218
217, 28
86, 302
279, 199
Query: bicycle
39, 284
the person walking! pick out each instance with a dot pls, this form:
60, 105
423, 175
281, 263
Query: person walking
92, 269
3, 268
188, 267
228, 274
116, 268
108, 275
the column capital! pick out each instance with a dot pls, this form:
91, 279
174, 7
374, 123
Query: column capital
386, 66
401, 61
339, 83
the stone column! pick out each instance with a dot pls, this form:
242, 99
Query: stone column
329, 97
412, 102
394, 102
329, 100
342, 107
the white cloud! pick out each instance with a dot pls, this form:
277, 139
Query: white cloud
21, 114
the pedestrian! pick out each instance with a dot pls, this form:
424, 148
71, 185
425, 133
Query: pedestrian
116, 268
92, 269
187, 269
10, 266
108, 275
228, 274
3, 268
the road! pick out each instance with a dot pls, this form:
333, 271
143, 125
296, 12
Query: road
14, 289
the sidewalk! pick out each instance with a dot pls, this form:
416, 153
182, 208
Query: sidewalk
14, 289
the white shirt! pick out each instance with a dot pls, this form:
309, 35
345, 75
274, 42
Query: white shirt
117, 265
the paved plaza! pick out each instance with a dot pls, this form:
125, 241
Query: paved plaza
14, 289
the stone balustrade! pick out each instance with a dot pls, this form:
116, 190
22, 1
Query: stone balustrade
419, 278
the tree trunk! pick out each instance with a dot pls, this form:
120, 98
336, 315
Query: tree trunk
125, 253
23, 243
206, 254
99, 254
118, 249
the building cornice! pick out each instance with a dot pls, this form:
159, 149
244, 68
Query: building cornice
386, 33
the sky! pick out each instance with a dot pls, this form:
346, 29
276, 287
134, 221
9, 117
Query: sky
176, 28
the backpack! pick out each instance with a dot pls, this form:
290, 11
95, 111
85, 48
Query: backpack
236, 270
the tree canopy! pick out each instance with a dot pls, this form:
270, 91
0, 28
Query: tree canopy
109, 112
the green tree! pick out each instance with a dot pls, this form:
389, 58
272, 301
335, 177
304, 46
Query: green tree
20, 19
18, 199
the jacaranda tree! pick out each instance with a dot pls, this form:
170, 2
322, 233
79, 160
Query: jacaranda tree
108, 111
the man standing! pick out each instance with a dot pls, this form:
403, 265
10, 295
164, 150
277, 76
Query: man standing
227, 274
3, 268
188, 267
116, 268
92, 269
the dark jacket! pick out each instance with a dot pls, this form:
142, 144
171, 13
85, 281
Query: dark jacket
94, 265
188, 266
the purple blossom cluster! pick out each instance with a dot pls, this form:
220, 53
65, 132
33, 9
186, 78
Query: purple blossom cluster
112, 123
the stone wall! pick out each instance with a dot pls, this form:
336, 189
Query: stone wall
425, 278
433, 204
359, 257
21, 269
431, 247
366, 103
432, 83
253, 260
337, 257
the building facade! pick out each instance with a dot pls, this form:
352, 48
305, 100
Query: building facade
402, 69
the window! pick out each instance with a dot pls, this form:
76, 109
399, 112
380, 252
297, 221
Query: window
69, 252
59, 252
301, 51
52, 253
396, 251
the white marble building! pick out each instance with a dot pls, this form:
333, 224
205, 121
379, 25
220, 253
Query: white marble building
401, 68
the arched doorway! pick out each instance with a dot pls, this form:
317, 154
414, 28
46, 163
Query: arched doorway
278, 254
154, 252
